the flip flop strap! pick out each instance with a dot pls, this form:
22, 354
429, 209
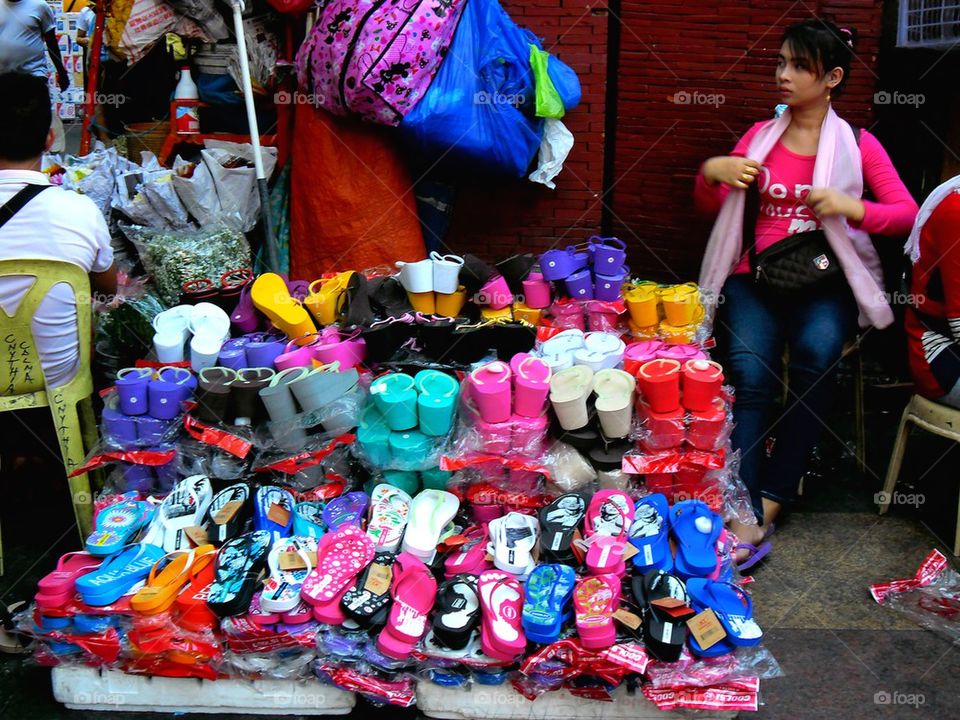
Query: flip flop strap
744, 597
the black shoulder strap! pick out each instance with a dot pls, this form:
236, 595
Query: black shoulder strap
16, 203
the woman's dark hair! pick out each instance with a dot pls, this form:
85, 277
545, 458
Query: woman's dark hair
824, 45
25, 122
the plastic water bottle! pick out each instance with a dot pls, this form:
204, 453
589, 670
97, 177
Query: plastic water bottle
186, 99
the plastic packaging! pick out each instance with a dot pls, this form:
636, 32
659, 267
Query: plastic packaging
931, 598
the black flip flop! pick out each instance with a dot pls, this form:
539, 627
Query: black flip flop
388, 298
457, 611
558, 522
238, 572
353, 304
221, 524
434, 334
213, 394
664, 633
362, 604
247, 408
512, 337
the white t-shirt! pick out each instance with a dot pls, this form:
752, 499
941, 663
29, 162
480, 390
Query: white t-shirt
22, 27
57, 224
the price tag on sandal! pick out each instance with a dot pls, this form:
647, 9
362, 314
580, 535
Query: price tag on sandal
627, 618
197, 535
226, 513
378, 579
706, 629
278, 514
292, 560
673, 607
629, 550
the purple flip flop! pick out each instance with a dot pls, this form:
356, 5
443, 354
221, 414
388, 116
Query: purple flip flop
347, 509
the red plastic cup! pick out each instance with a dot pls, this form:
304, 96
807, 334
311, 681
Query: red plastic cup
702, 380
639, 353
666, 429
660, 384
706, 426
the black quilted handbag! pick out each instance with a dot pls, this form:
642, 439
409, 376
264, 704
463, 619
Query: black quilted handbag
795, 264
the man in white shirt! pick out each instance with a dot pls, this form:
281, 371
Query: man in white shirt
53, 224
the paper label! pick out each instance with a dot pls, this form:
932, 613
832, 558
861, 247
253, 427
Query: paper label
278, 514
197, 535
294, 561
226, 513
627, 618
706, 629
629, 550
378, 579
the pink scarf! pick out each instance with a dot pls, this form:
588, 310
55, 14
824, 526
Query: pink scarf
838, 166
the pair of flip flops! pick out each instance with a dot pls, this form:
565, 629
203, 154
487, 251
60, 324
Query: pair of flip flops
414, 592
117, 525
345, 510
185, 507
168, 577
501, 630
696, 530
733, 608
558, 525
341, 556
664, 626
650, 534
274, 511
548, 592
457, 611
229, 514
607, 524
512, 539
470, 556
281, 590
118, 574
389, 509
430, 513
308, 519
368, 601
56, 588
595, 599
239, 567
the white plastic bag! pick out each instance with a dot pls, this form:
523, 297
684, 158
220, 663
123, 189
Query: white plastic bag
554, 147
197, 191
237, 186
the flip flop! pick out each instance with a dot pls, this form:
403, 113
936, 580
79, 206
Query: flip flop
650, 534
345, 510
732, 606
512, 539
271, 296
595, 599
615, 393
117, 525
558, 522
457, 612
132, 387
395, 396
471, 556
600, 351
548, 591
756, 554
389, 508
302, 613
190, 608
213, 394
246, 406
323, 385
605, 556
57, 587
569, 390
611, 513
273, 511
164, 584
239, 565
696, 529
323, 295
371, 594
229, 514
118, 573
308, 520
341, 555
257, 615
414, 592
281, 591
184, 507
430, 512
437, 401
531, 384
664, 630
490, 390
501, 601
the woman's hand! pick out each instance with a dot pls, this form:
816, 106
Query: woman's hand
730, 170
827, 201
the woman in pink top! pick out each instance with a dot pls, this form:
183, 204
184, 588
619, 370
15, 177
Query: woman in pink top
752, 325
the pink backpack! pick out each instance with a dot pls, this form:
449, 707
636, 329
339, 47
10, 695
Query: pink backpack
376, 58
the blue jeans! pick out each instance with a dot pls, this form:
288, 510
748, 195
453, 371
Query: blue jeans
752, 330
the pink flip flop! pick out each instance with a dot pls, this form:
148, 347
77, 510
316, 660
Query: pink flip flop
531, 384
610, 513
605, 556
414, 591
57, 587
300, 614
501, 600
471, 557
331, 612
595, 600
341, 555
256, 614
490, 388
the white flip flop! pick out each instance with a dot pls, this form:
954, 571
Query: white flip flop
615, 393
569, 390
513, 537
430, 512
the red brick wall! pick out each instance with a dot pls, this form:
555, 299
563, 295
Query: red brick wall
666, 47
495, 221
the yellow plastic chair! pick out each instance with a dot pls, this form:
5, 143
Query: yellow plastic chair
22, 384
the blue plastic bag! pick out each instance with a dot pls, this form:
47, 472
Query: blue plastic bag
565, 81
472, 114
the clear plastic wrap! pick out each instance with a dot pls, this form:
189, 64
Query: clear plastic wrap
323, 458
570, 470
746, 663
155, 645
931, 598
173, 257
144, 471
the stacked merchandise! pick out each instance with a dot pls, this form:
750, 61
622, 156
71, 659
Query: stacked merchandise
438, 475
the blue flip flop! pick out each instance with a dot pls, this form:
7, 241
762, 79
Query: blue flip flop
117, 525
347, 509
649, 534
696, 529
733, 608
117, 574
437, 401
548, 592
308, 519
274, 511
